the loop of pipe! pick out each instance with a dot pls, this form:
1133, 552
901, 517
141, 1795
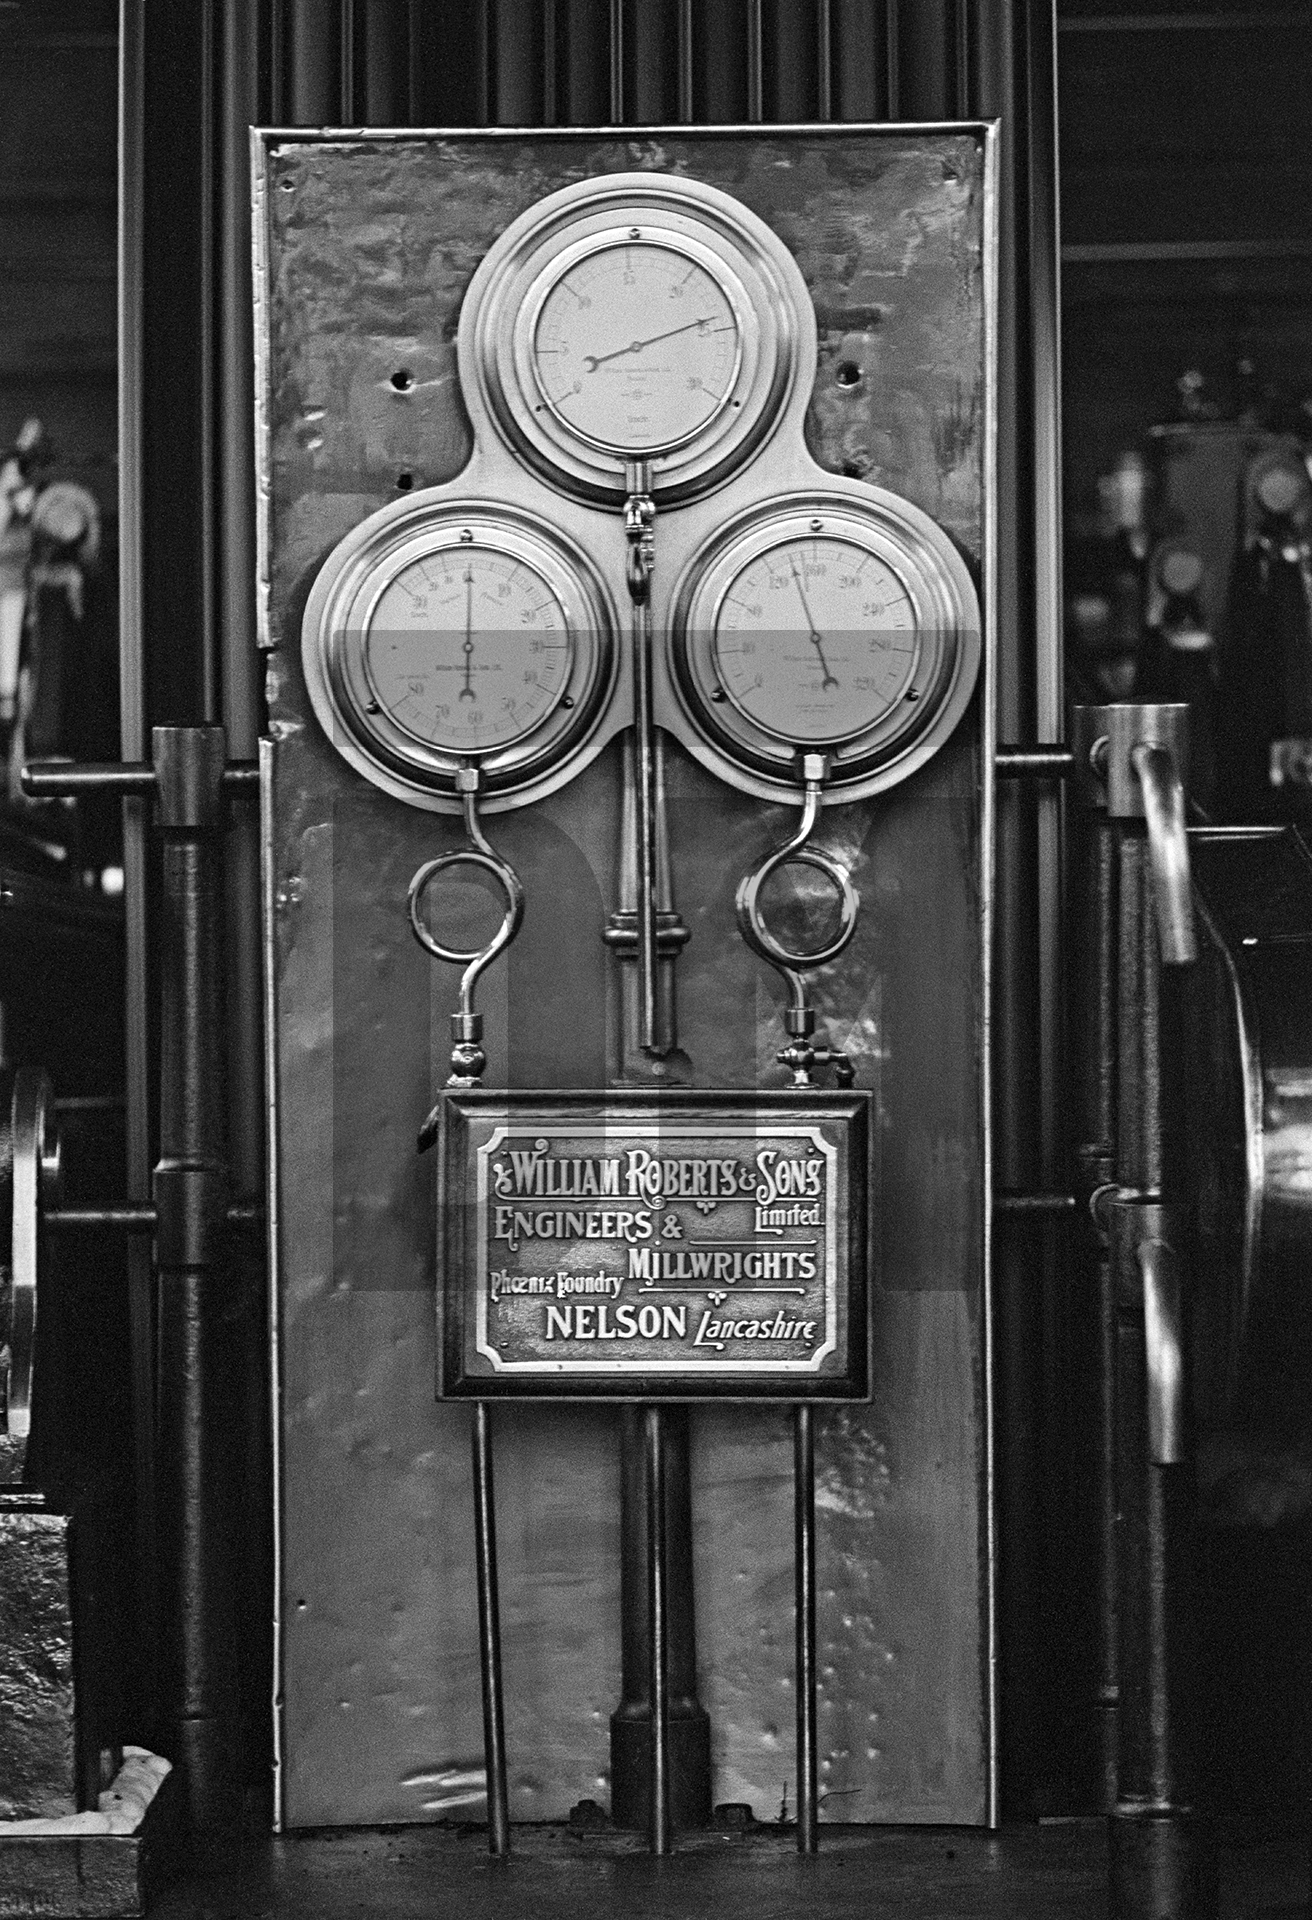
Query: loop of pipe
480, 854
751, 921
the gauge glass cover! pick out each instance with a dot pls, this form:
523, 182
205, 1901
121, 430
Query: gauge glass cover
467, 649
816, 641
637, 347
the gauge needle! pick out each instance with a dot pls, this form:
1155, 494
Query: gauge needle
594, 360
816, 641
467, 691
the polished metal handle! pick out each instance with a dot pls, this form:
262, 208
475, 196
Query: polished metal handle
1164, 1344
1168, 852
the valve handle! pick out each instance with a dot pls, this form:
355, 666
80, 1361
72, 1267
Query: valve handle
1163, 1324
1168, 852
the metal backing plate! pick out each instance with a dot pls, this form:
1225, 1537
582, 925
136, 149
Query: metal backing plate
369, 248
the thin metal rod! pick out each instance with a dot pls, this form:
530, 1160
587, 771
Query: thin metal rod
60, 779
1039, 763
136, 1219
1015, 1200
658, 1679
808, 1838
489, 1635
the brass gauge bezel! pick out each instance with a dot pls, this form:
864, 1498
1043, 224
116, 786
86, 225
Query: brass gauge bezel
760, 282
334, 645
762, 758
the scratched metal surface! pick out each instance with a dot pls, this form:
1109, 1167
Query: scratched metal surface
370, 245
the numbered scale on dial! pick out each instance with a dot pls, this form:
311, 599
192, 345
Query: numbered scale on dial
641, 316
826, 624
443, 634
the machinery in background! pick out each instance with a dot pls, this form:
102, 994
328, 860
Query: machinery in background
58, 663
1196, 587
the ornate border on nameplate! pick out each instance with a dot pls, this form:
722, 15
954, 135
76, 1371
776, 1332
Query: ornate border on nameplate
645, 1245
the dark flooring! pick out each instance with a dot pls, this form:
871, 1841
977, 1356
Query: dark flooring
1056, 1871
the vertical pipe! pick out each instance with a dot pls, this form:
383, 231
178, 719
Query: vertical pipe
489, 1635
685, 53
689, 1731
516, 56
198, 1539
755, 62
824, 60
804, 1575
651, 78
132, 734
855, 60
616, 43
720, 91
791, 78
311, 46
1085, 1414
550, 63
582, 27
348, 33
241, 96
1153, 1843
893, 59
658, 1671
1095, 938
383, 77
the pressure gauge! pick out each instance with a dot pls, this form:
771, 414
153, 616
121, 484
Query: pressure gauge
443, 634
636, 346
826, 623
636, 317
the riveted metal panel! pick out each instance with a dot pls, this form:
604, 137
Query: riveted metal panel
367, 247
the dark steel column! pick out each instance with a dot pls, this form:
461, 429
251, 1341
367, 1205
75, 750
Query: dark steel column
1154, 1841
1094, 986
200, 1561
631, 1734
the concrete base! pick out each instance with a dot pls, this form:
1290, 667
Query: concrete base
92, 1866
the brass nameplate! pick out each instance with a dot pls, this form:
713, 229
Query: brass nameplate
637, 1245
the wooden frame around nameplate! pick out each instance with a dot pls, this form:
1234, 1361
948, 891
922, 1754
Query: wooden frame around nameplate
654, 1245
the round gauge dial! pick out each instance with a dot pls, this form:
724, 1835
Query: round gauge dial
825, 622
440, 634
636, 347
636, 316
816, 640
467, 648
